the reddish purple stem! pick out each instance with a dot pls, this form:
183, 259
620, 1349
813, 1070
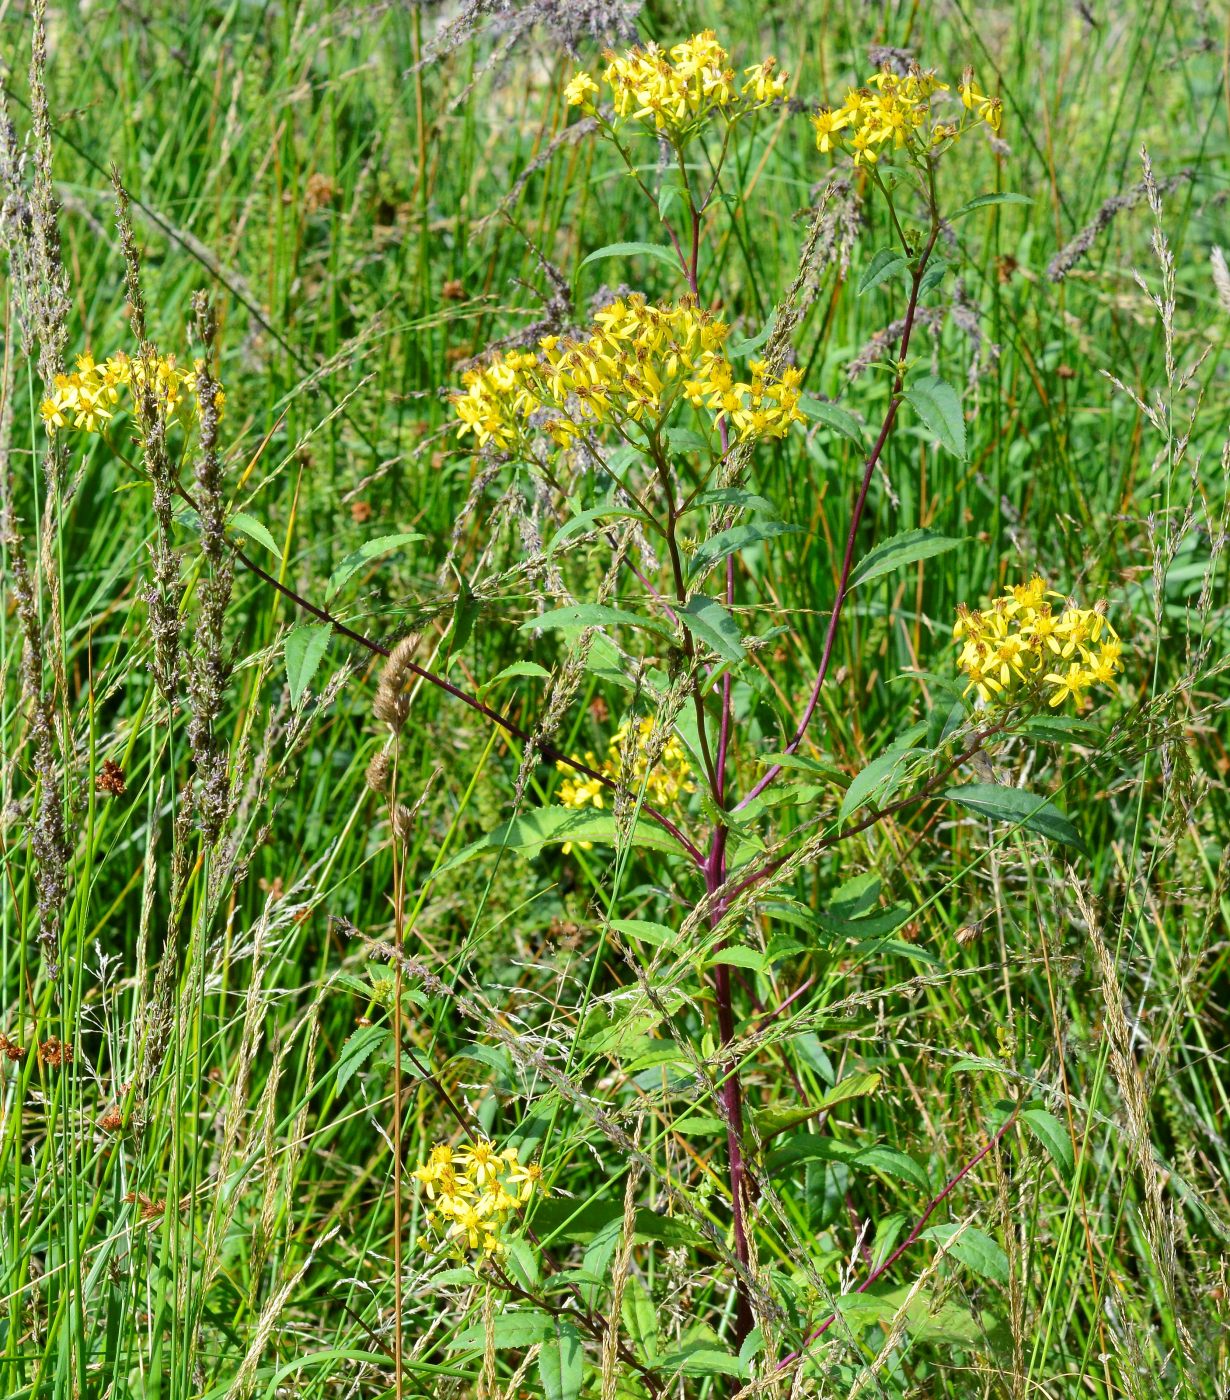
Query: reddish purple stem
843, 584
902, 1247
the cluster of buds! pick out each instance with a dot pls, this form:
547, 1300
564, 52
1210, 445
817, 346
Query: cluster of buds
1022, 644
472, 1193
893, 112
675, 92
89, 397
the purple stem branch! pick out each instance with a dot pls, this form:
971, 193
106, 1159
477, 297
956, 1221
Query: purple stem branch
876, 1273
549, 752
843, 585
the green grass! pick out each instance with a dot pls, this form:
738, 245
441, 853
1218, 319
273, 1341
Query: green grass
235, 1233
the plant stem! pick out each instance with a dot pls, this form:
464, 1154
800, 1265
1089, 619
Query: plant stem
843, 584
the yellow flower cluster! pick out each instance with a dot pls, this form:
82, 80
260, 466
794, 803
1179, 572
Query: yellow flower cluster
1023, 642
472, 1192
676, 91
666, 782
88, 398
897, 110
636, 364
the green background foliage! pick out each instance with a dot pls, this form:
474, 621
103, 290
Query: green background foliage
371, 195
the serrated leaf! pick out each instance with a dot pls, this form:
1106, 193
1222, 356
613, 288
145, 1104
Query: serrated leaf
358, 1049
585, 521
517, 1327
985, 201
254, 530
885, 1160
901, 550
573, 619
938, 404
304, 649
772, 1121
977, 1251
1021, 808
748, 958
662, 252
644, 930
742, 348
702, 1359
517, 668
731, 496
836, 418
878, 781
711, 624
1052, 1134
546, 826
933, 275
884, 264
365, 553
712, 550
561, 1363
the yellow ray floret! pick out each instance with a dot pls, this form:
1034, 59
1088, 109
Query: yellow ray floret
89, 397
1025, 642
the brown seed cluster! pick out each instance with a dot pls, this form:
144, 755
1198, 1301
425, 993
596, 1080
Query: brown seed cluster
55, 1053
110, 778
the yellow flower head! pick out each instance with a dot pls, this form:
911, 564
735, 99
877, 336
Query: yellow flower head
475, 1191
636, 366
676, 91
1024, 642
88, 398
892, 113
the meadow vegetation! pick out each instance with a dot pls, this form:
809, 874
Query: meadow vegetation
613, 700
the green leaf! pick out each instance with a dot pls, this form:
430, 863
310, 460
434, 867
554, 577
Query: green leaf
548, 826
573, 619
561, 1363
585, 521
702, 1358
518, 668
254, 530
887, 1161
358, 1049
515, 1327
933, 276
885, 263
465, 610
597, 1257
836, 418
985, 201
749, 958
1021, 808
304, 649
644, 930
731, 496
975, 1250
938, 404
772, 1121
640, 1319
741, 348
732, 541
365, 553
711, 624
1052, 1134
686, 440
878, 781
906, 548
629, 250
